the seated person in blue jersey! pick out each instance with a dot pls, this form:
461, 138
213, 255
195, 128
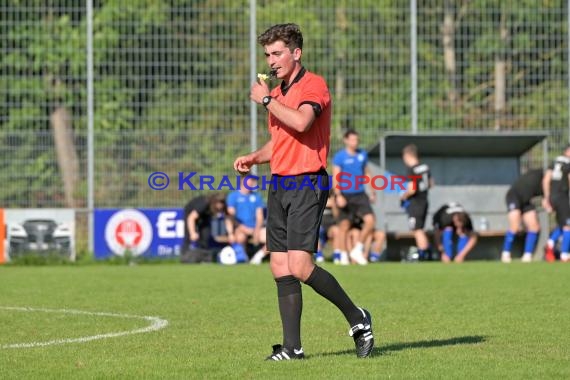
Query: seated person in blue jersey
245, 207
205, 228
450, 222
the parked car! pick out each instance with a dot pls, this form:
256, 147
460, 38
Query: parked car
39, 236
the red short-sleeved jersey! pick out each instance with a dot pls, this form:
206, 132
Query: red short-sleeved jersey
301, 152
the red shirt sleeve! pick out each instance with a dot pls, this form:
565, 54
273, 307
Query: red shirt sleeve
316, 94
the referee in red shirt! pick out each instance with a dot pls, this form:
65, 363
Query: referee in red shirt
299, 122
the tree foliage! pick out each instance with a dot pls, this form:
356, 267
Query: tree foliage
172, 79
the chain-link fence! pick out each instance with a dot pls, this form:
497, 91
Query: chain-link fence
171, 81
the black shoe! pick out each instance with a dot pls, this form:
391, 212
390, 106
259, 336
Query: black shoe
282, 353
362, 335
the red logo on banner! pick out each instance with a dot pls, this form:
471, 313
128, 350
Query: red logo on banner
128, 230
129, 233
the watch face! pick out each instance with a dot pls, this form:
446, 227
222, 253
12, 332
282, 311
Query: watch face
266, 100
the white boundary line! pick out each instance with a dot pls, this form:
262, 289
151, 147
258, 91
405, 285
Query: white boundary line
156, 324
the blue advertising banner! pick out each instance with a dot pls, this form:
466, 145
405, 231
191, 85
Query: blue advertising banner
141, 232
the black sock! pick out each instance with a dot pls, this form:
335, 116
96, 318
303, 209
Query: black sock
290, 307
327, 286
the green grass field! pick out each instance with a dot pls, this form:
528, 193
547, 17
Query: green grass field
476, 320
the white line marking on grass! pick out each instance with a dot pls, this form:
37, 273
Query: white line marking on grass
156, 324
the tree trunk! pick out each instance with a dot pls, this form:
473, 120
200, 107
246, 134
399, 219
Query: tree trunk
501, 73
66, 153
448, 40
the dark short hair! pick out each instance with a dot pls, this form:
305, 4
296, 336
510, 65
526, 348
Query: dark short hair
410, 149
290, 34
349, 132
215, 198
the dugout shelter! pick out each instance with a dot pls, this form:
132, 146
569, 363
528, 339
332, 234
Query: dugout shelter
473, 168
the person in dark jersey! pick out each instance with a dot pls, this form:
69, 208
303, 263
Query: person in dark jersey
520, 209
556, 185
451, 222
205, 227
415, 198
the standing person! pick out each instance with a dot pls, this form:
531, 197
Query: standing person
555, 187
299, 123
351, 198
520, 208
416, 197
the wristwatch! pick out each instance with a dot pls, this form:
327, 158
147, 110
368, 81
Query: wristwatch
266, 100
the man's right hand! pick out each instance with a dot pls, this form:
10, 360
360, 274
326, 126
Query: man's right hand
194, 236
243, 164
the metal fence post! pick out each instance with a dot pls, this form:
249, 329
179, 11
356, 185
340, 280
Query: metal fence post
414, 63
253, 75
90, 139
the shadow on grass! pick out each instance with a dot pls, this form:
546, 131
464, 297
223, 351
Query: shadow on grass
387, 349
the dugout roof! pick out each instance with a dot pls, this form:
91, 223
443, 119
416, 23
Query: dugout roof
460, 144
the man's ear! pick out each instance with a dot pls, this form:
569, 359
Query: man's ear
297, 54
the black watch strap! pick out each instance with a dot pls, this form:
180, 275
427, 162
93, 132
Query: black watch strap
266, 100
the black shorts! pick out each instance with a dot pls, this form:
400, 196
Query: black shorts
357, 223
294, 211
417, 213
561, 206
515, 202
357, 205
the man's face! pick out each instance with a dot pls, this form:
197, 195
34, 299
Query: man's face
351, 141
280, 59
